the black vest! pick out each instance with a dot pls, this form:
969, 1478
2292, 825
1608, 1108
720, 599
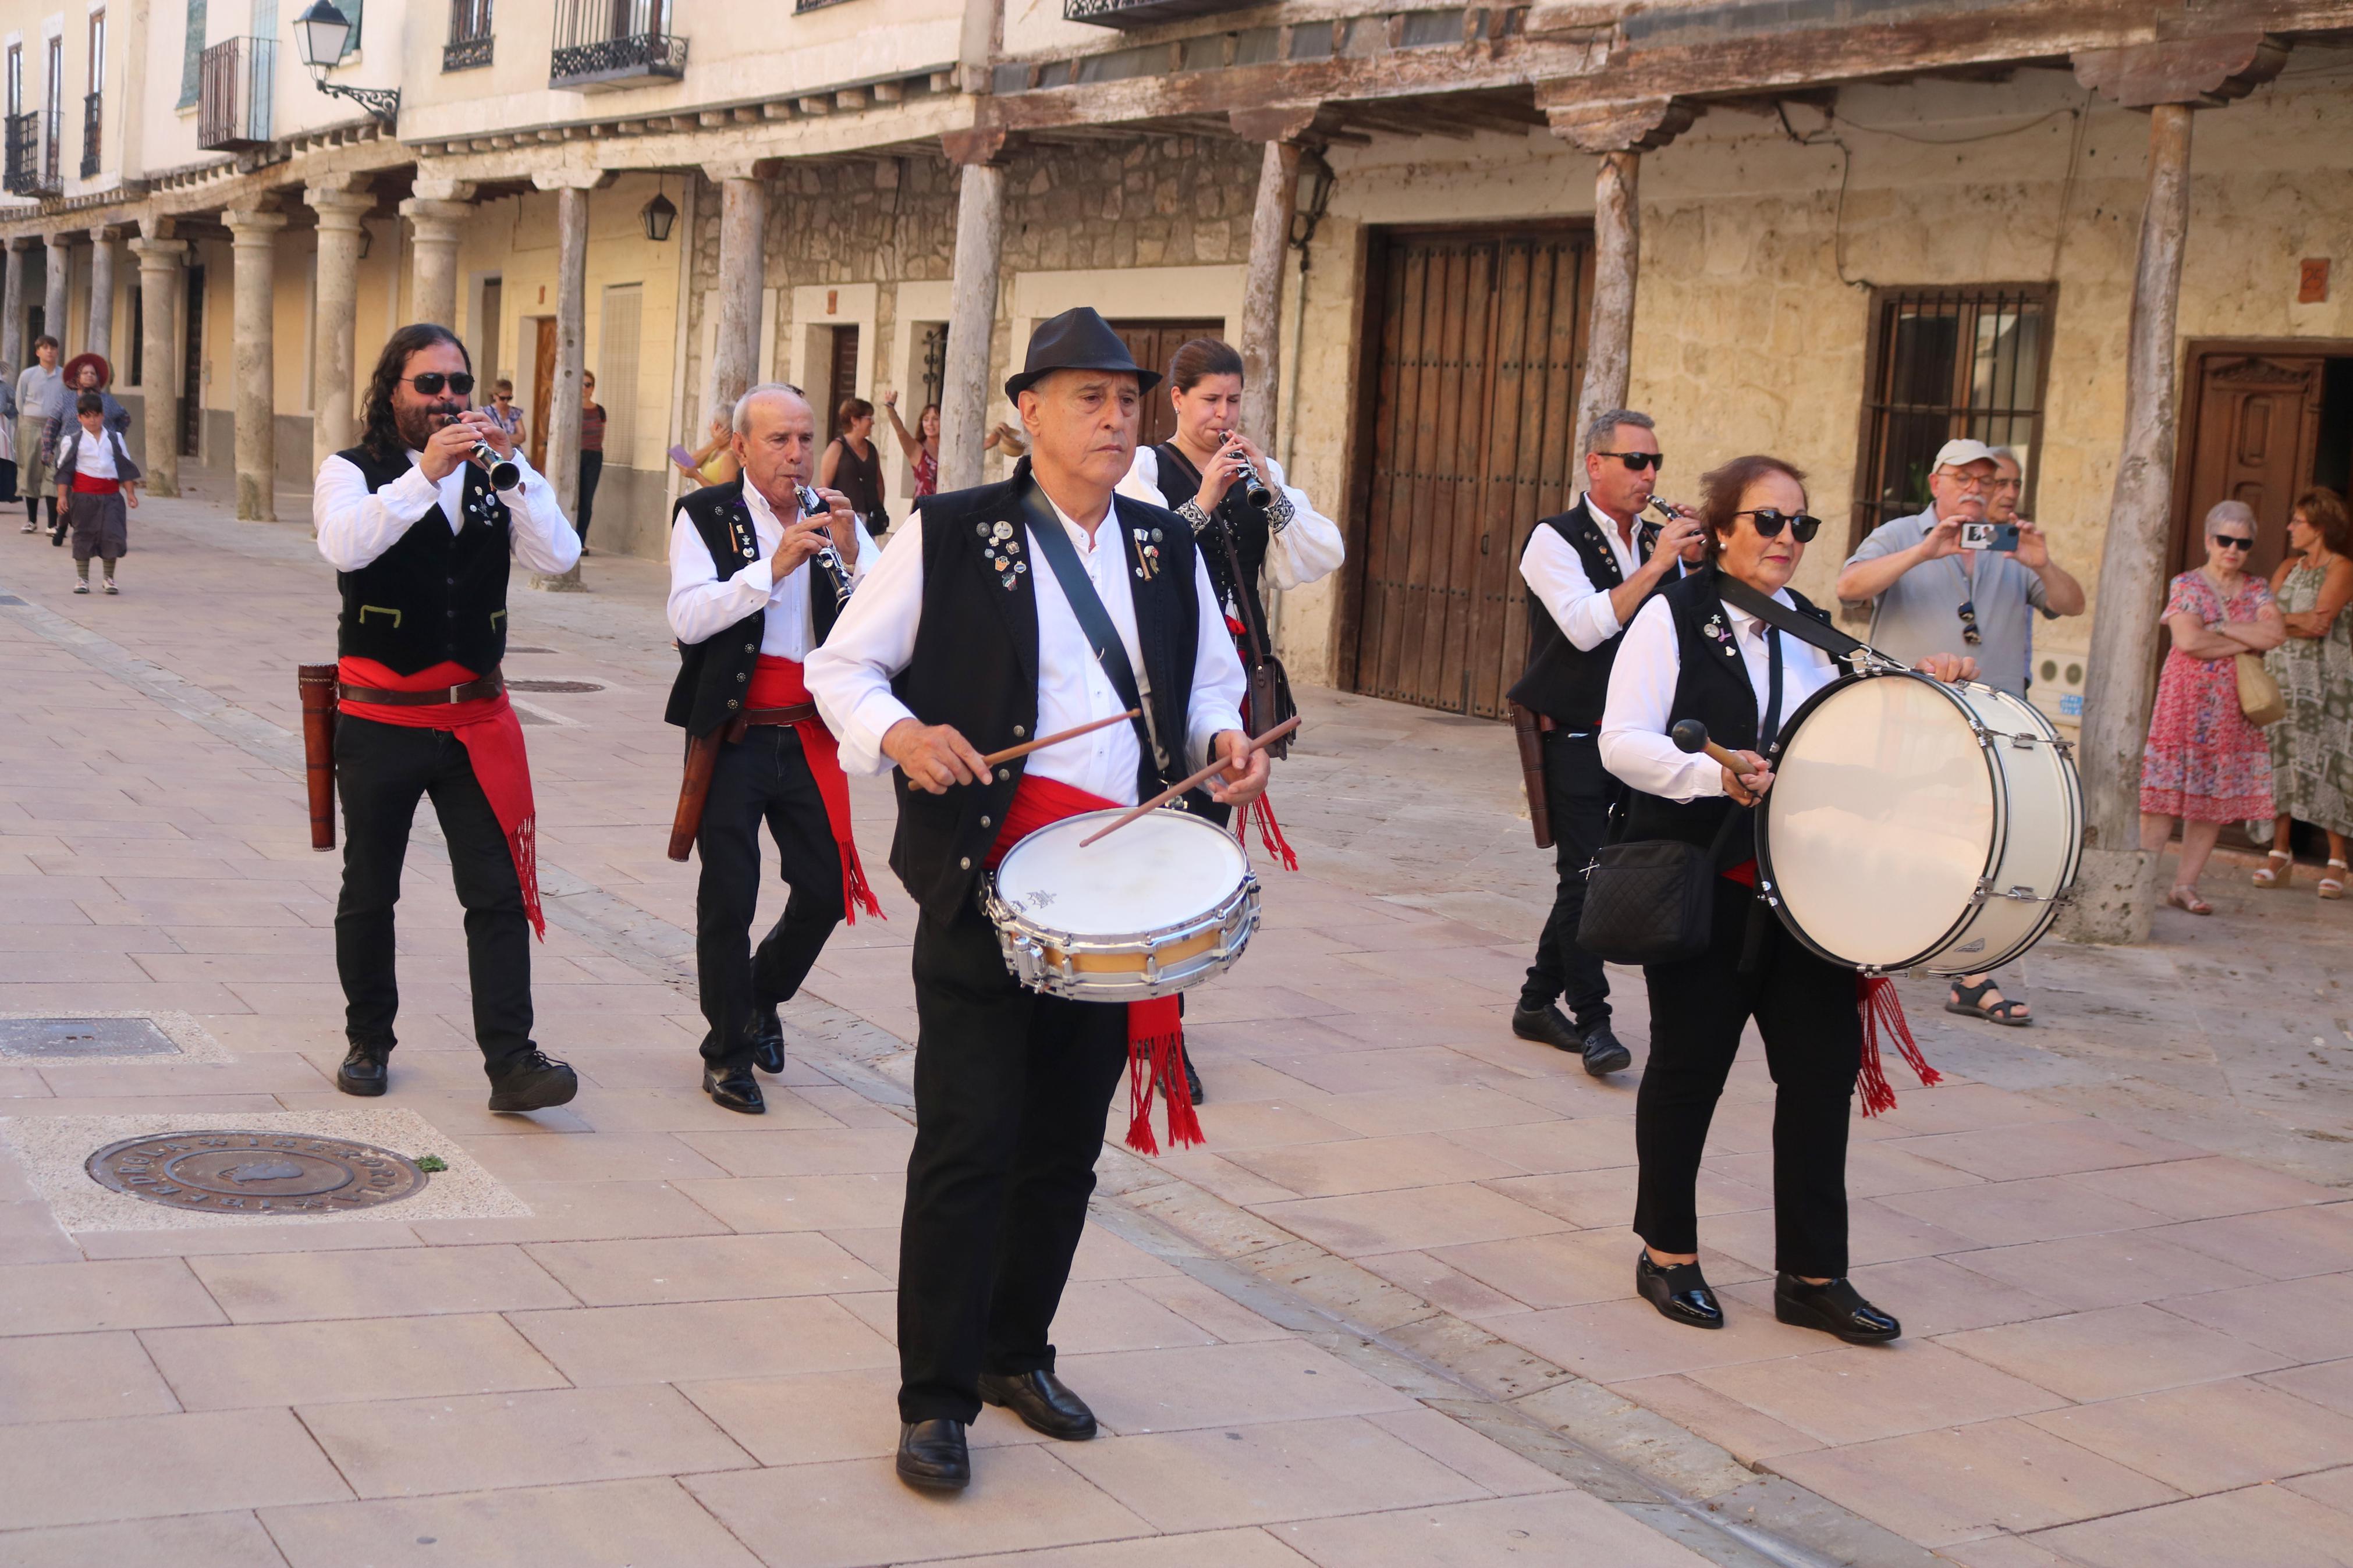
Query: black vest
1567, 684
1710, 686
433, 596
1246, 524
975, 667
715, 674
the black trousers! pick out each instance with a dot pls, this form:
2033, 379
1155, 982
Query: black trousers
592, 468
1578, 790
764, 777
1805, 1009
382, 770
1010, 1092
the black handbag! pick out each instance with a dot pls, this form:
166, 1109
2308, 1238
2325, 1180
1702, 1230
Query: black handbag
1648, 902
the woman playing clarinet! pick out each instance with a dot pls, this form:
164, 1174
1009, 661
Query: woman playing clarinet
1689, 655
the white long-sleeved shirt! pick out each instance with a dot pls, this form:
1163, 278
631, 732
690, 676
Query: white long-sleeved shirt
703, 604
1634, 743
875, 639
354, 526
95, 455
1556, 574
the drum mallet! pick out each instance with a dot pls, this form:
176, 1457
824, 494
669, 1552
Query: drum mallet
1691, 736
1258, 743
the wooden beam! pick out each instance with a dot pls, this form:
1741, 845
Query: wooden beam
2213, 70
1640, 125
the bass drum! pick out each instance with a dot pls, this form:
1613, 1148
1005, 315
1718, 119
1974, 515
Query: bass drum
1916, 825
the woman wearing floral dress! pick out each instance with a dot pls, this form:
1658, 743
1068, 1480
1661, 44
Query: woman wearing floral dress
2312, 748
2205, 763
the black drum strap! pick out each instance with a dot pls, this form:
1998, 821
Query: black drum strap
1774, 613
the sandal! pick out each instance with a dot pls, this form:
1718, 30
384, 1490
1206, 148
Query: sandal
2187, 899
1970, 999
2332, 883
2272, 875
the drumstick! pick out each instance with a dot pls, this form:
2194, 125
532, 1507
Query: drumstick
1042, 742
1691, 736
1181, 785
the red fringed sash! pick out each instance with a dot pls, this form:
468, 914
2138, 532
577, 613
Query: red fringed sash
777, 683
1155, 1029
1875, 998
492, 737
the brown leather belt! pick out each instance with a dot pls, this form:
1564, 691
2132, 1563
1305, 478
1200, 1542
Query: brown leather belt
798, 713
489, 685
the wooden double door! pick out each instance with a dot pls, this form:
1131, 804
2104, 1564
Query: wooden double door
1475, 349
2262, 423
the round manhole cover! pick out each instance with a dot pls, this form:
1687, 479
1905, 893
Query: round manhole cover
256, 1173
554, 686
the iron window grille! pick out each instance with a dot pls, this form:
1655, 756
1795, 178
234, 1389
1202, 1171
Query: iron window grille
599, 41
468, 47
1145, 12
1945, 364
28, 172
93, 125
237, 88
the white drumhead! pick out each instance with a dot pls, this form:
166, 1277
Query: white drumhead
1160, 870
1880, 820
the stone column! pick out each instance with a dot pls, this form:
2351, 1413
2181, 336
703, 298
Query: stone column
571, 348
13, 262
1618, 133
972, 303
162, 276
2116, 887
56, 302
743, 219
436, 214
100, 339
1278, 194
333, 425
253, 251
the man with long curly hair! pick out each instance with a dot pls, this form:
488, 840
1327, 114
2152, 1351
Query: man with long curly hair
421, 537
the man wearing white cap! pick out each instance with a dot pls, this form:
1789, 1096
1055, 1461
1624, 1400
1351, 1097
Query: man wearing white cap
1931, 592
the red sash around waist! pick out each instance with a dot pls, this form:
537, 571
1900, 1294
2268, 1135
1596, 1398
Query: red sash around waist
776, 682
89, 485
1155, 1029
492, 737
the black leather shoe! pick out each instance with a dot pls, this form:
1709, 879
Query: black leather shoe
1836, 1307
1603, 1054
1679, 1291
768, 1041
535, 1083
734, 1088
932, 1455
1192, 1079
363, 1071
1044, 1403
1546, 1025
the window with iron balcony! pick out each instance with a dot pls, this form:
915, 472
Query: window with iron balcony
468, 47
602, 44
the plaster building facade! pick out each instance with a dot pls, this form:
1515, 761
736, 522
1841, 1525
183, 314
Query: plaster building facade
1438, 231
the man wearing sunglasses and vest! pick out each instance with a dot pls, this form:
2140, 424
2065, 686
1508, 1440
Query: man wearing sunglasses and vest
1947, 581
421, 543
1588, 571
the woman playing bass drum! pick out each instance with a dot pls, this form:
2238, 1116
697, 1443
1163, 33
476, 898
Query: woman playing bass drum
1689, 655
1247, 522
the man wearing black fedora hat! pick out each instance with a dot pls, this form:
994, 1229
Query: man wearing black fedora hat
974, 632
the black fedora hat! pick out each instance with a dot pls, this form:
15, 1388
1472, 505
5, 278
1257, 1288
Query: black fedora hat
1078, 339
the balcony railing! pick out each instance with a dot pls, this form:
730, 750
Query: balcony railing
1145, 13
800, 5
32, 169
93, 127
468, 47
613, 43
236, 85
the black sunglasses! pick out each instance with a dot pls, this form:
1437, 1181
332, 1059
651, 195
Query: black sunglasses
1969, 633
2233, 541
431, 384
1638, 461
1767, 521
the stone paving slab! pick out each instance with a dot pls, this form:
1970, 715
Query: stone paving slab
1384, 1316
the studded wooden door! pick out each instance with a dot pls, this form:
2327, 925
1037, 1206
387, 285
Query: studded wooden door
2254, 429
1478, 347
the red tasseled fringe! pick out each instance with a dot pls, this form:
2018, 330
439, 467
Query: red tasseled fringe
1876, 999
1155, 1055
1270, 832
523, 845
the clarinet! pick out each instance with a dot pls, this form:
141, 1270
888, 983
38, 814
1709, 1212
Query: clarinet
813, 505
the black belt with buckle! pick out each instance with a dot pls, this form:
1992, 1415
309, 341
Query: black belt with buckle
489, 685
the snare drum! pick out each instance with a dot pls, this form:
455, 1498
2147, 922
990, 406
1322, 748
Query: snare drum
1163, 903
1913, 824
